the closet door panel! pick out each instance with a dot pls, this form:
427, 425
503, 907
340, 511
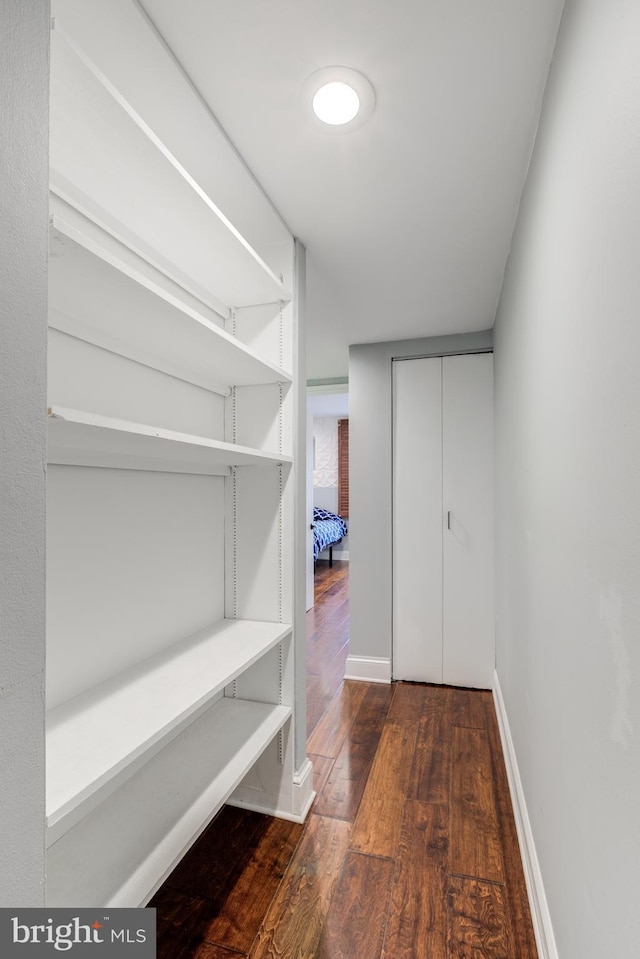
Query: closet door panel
417, 520
468, 605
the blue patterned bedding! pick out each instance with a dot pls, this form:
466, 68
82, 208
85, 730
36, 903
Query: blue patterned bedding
328, 529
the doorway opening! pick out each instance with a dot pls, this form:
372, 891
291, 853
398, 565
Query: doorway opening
327, 479
327, 545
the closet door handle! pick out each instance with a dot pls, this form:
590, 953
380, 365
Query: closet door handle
448, 519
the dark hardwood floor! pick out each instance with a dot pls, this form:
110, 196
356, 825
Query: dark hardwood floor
409, 852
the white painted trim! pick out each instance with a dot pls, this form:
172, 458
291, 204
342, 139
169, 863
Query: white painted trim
270, 810
303, 794
368, 669
542, 926
302, 797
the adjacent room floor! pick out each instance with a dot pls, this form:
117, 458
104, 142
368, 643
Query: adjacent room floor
409, 852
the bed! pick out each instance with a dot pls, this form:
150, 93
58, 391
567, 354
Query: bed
328, 529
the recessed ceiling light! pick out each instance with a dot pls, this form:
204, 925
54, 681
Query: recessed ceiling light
338, 99
336, 103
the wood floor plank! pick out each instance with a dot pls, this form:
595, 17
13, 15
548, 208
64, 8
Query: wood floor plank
377, 826
322, 689
175, 907
332, 611
240, 916
475, 837
418, 917
326, 576
429, 779
468, 707
316, 703
411, 701
329, 735
327, 626
516, 889
330, 680
180, 921
210, 869
479, 926
325, 643
358, 911
331, 587
208, 950
322, 766
293, 925
332, 606
346, 783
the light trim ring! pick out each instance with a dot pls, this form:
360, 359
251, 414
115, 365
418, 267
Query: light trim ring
323, 82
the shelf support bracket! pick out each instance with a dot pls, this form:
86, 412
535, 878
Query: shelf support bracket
234, 545
280, 547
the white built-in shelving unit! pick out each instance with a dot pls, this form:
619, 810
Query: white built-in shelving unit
171, 680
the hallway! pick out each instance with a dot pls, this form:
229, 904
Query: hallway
410, 849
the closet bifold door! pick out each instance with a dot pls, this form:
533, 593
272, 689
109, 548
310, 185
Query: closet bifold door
468, 604
417, 520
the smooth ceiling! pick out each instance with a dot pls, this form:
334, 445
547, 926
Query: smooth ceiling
408, 220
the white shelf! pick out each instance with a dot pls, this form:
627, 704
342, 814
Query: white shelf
99, 739
79, 438
243, 730
190, 779
96, 295
109, 163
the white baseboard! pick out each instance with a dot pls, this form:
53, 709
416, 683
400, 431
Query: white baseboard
301, 800
303, 790
542, 927
368, 669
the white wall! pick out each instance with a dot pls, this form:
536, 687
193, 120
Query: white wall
567, 349
325, 454
24, 44
370, 584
